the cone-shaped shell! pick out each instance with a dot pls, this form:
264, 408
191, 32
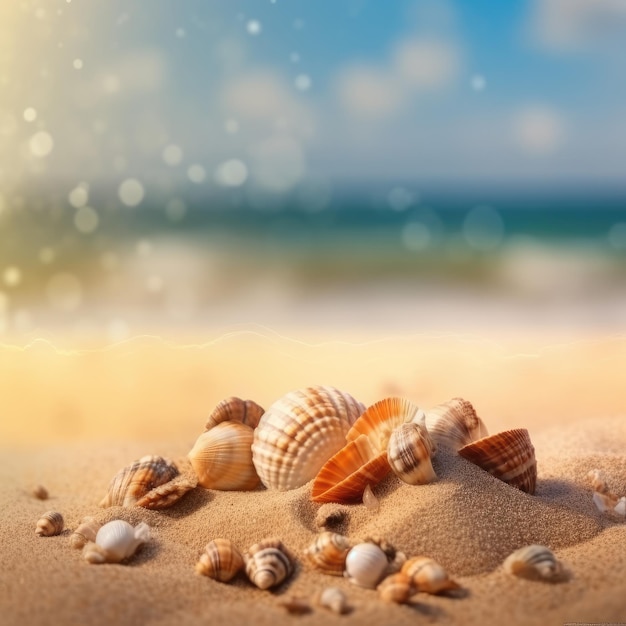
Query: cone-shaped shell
536, 563
86, 532
49, 524
366, 564
268, 563
116, 541
381, 418
398, 588
509, 456
328, 553
220, 560
409, 454
235, 409
222, 458
345, 475
427, 575
299, 433
454, 424
136, 480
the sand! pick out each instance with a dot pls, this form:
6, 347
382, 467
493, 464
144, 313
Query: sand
467, 520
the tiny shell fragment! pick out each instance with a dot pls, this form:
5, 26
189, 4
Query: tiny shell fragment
40, 492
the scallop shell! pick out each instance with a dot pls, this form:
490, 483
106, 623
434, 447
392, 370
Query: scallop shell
536, 563
409, 454
334, 599
328, 553
132, 484
220, 560
398, 588
345, 475
509, 456
427, 575
40, 492
222, 458
268, 563
86, 532
366, 564
49, 524
299, 433
235, 409
116, 541
454, 424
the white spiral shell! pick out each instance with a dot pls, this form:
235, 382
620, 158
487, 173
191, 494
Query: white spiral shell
366, 564
116, 541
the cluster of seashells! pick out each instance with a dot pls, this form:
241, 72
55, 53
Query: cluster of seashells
604, 499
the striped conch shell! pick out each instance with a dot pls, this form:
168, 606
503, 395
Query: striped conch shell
268, 563
299, 433
333, 599
427, 575
115, 542
363, 460
86, 532
454, 424
409, 453
366, 564
509, 456
222, 457
49, 524
235, 409
398, 588
220, 560
536, 563
328, 553
151, 482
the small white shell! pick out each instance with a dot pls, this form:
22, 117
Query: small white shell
116, 541
50, 523
86, 532
366, 564
268, 563
220, 560
334, 599
535, 562
620, 507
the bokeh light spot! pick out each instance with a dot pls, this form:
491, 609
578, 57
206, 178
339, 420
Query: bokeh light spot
12, 276
79, 196
478, 82
617, 235
77, 64
400, 199
47, 255
416, 236
64, 292
30, 114
303, 82
196, 173
131, 192
172, 155
175, 209
41, 144
231, 173
254, 27
86, 220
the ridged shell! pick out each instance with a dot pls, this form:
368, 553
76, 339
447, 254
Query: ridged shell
366, 564
86, 532
268, 563
454, 424
509, 456
220, 560
49, 524
299, 433
222, 458
535, 562
409, 454
328, 553
345, 475
116, 541
398, 588
169, 493
136, 480
427, 575
235, 409
334, 599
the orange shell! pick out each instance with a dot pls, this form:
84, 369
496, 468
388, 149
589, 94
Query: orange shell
381, 418
235, 409
345, 475
509, 456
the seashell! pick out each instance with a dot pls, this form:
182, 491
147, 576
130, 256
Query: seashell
299, 433
427, 575
598, 481
40, 492
409, 453
295, 605
620, 507
509, 456
605, 502
370, 500
268, 563
116, 541
222, 458
328, 553
334, 599
454, 424
346, 474
220, 561
86, 532
366, 564
235, 409
49, 524
398, 588
536, 563
129, 486
169, 493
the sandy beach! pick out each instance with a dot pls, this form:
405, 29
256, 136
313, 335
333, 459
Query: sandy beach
73, 416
